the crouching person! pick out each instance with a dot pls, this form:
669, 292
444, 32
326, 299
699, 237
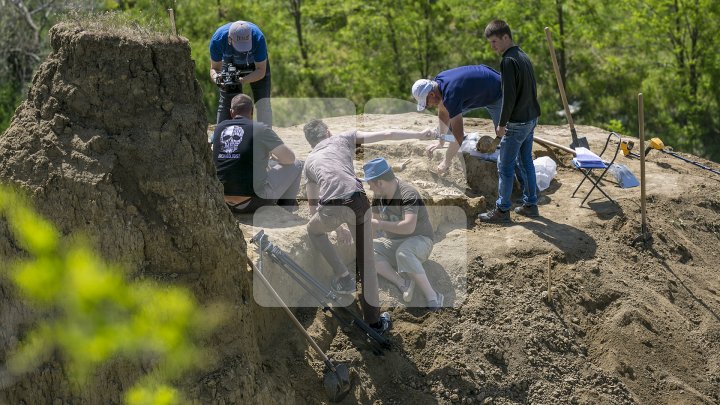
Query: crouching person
242, 152
400, 215
336, 197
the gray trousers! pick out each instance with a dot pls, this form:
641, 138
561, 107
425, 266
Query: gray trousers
281, 188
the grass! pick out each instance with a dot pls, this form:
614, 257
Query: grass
140, 28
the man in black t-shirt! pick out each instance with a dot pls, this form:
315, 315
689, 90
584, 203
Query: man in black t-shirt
400, 214
242, 149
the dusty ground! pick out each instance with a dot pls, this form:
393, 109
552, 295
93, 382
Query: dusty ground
626, 324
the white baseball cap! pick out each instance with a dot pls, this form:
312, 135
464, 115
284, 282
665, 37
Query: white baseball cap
420, 91
240, 36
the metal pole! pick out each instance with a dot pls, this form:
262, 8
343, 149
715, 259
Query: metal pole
641, 126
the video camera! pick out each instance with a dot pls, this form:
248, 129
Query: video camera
230, 76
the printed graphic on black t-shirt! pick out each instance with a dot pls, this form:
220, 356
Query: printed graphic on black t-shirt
230, 139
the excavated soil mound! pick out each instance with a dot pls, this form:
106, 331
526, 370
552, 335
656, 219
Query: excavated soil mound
111, 143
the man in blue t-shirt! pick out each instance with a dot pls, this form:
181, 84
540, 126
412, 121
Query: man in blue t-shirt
455, 92
241, 45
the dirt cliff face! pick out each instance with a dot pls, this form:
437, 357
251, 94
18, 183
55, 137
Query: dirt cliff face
111, 143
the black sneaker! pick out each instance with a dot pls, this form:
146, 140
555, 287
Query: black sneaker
495, 215
385, 323
528, 210
344, 285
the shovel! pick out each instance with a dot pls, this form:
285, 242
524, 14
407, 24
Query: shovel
337, 376
576, 142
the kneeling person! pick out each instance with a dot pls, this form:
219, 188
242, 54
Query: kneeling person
399, 213
242, 149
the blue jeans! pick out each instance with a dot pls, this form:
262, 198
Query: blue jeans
495, 109
516, 150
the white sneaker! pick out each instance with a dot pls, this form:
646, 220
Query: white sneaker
408, 292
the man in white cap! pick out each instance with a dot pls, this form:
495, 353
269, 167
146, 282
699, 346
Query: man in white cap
241, 46
455, 92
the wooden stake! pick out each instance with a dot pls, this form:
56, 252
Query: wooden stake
641, 126
171, 15
549, 279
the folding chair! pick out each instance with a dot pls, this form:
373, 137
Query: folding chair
587, 169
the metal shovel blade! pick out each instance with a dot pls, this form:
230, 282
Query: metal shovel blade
578, 142
337, 382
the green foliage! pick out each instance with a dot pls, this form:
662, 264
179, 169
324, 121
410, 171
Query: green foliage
367, 49
8, 102
94, 315
615, 126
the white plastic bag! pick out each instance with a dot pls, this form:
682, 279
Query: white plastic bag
545, 171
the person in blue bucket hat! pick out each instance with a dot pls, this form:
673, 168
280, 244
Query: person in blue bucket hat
337, 201
399, 213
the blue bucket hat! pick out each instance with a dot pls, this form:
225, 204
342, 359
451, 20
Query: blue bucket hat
375, 168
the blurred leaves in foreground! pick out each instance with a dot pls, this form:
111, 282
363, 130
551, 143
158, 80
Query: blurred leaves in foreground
90, 314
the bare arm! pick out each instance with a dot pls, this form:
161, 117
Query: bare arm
392, 134
458, 130
257, 74
312, 192
283, 155
443, 119
215, 69
406, 226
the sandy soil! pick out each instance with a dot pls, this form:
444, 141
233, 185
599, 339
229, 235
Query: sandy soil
627, 323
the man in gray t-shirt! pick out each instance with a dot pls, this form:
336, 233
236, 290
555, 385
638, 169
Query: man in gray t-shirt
336, 197
399, 213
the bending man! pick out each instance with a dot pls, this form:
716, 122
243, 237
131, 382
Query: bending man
455, 92
336, 197
241, 45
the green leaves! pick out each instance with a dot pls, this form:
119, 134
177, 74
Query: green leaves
92, 314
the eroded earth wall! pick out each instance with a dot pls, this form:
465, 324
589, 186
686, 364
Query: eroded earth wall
111, 143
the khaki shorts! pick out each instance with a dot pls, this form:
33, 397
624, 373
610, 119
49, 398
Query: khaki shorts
406, 255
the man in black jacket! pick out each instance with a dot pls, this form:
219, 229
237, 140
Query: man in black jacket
518, 119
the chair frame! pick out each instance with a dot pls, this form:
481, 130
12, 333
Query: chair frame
587, 172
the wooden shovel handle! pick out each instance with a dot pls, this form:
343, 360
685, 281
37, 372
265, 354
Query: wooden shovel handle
559, 80
554, 145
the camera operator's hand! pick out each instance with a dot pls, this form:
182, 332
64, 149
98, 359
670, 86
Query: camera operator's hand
219, 82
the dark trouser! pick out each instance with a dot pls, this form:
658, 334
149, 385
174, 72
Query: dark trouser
281, 188
261, 98
355, 212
